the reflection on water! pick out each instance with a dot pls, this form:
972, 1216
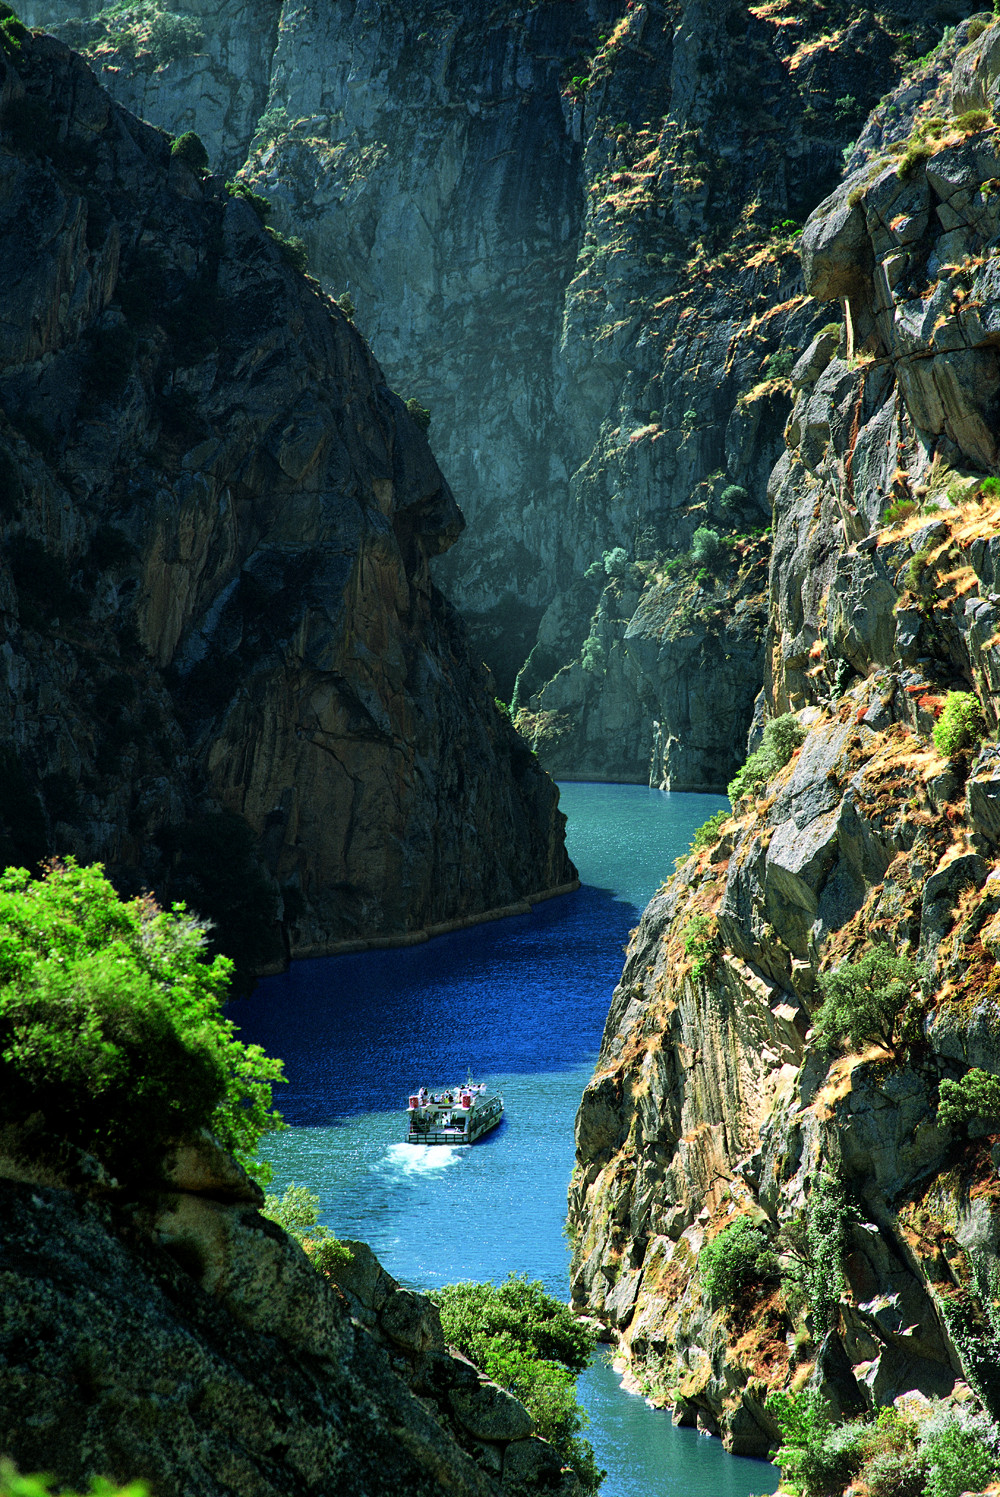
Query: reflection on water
521, 1003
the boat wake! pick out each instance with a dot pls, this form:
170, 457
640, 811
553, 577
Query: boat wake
426, 1159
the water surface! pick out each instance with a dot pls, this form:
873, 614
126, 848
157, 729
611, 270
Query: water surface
521, 1002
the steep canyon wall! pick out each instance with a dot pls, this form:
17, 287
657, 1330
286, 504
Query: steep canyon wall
227, 670
568, 230
713, 1098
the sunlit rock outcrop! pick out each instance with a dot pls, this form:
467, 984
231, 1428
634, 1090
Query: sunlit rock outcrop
713, 1098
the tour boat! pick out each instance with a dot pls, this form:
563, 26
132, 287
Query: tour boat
453, 1114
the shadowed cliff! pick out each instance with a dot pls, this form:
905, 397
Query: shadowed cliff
227, 671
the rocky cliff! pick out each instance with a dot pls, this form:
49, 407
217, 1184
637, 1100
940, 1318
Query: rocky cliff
713, 1097
568, 229
227, 671
177, 1336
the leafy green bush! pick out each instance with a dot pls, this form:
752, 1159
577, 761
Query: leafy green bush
708, 832
990, 487
616, 561
700, 939
260, 204
805, 1424
961, 1455
111, 1024
972, 121
976, 1096
190, 149
813, 1245
733, 496
291, 248
782, 736
705, 546
913, 577
960, 725
143, 32
899, 509
818, 1458
895, 1473
419, 413
592, 656
12, 1484
532, 1344
779, 364
297, 1213
12, 30
866, 1000
739, 1259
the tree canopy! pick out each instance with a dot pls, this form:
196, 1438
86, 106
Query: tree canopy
111, 1024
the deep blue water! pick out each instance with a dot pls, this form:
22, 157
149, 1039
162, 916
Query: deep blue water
521, 1002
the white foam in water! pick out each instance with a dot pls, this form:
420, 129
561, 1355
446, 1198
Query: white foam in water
416, 1159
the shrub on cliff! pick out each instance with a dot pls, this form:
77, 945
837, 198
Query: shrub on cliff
706, 546
866, 1001
961, 1452
13, 1484
530, 1343
960, 725
291, 248
111, 1024
739, 1259
812, 1247
297, 1213
418, 413
708, 833
782, 736
975, 1097
818, 1458
190, 149
733, 497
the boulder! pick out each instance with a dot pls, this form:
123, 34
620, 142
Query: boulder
490, 1413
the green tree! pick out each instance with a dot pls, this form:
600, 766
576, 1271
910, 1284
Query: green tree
530, 1343
976, 1096
866, 1001
736, 1261
297, 1213
960, 725
814, 1244
708, 833
782, 736
111, 1024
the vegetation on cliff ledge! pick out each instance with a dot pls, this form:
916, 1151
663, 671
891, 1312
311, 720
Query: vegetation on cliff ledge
533, 1345
111, 1024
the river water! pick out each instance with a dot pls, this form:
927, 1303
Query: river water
521, 1003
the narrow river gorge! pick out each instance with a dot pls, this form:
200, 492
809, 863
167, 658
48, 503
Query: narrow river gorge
522, 1002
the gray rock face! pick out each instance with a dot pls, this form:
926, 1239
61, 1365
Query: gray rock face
712, 1098
222, 647
570, 240
191, 1344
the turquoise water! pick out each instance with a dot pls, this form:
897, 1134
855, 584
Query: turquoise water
521, 1002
